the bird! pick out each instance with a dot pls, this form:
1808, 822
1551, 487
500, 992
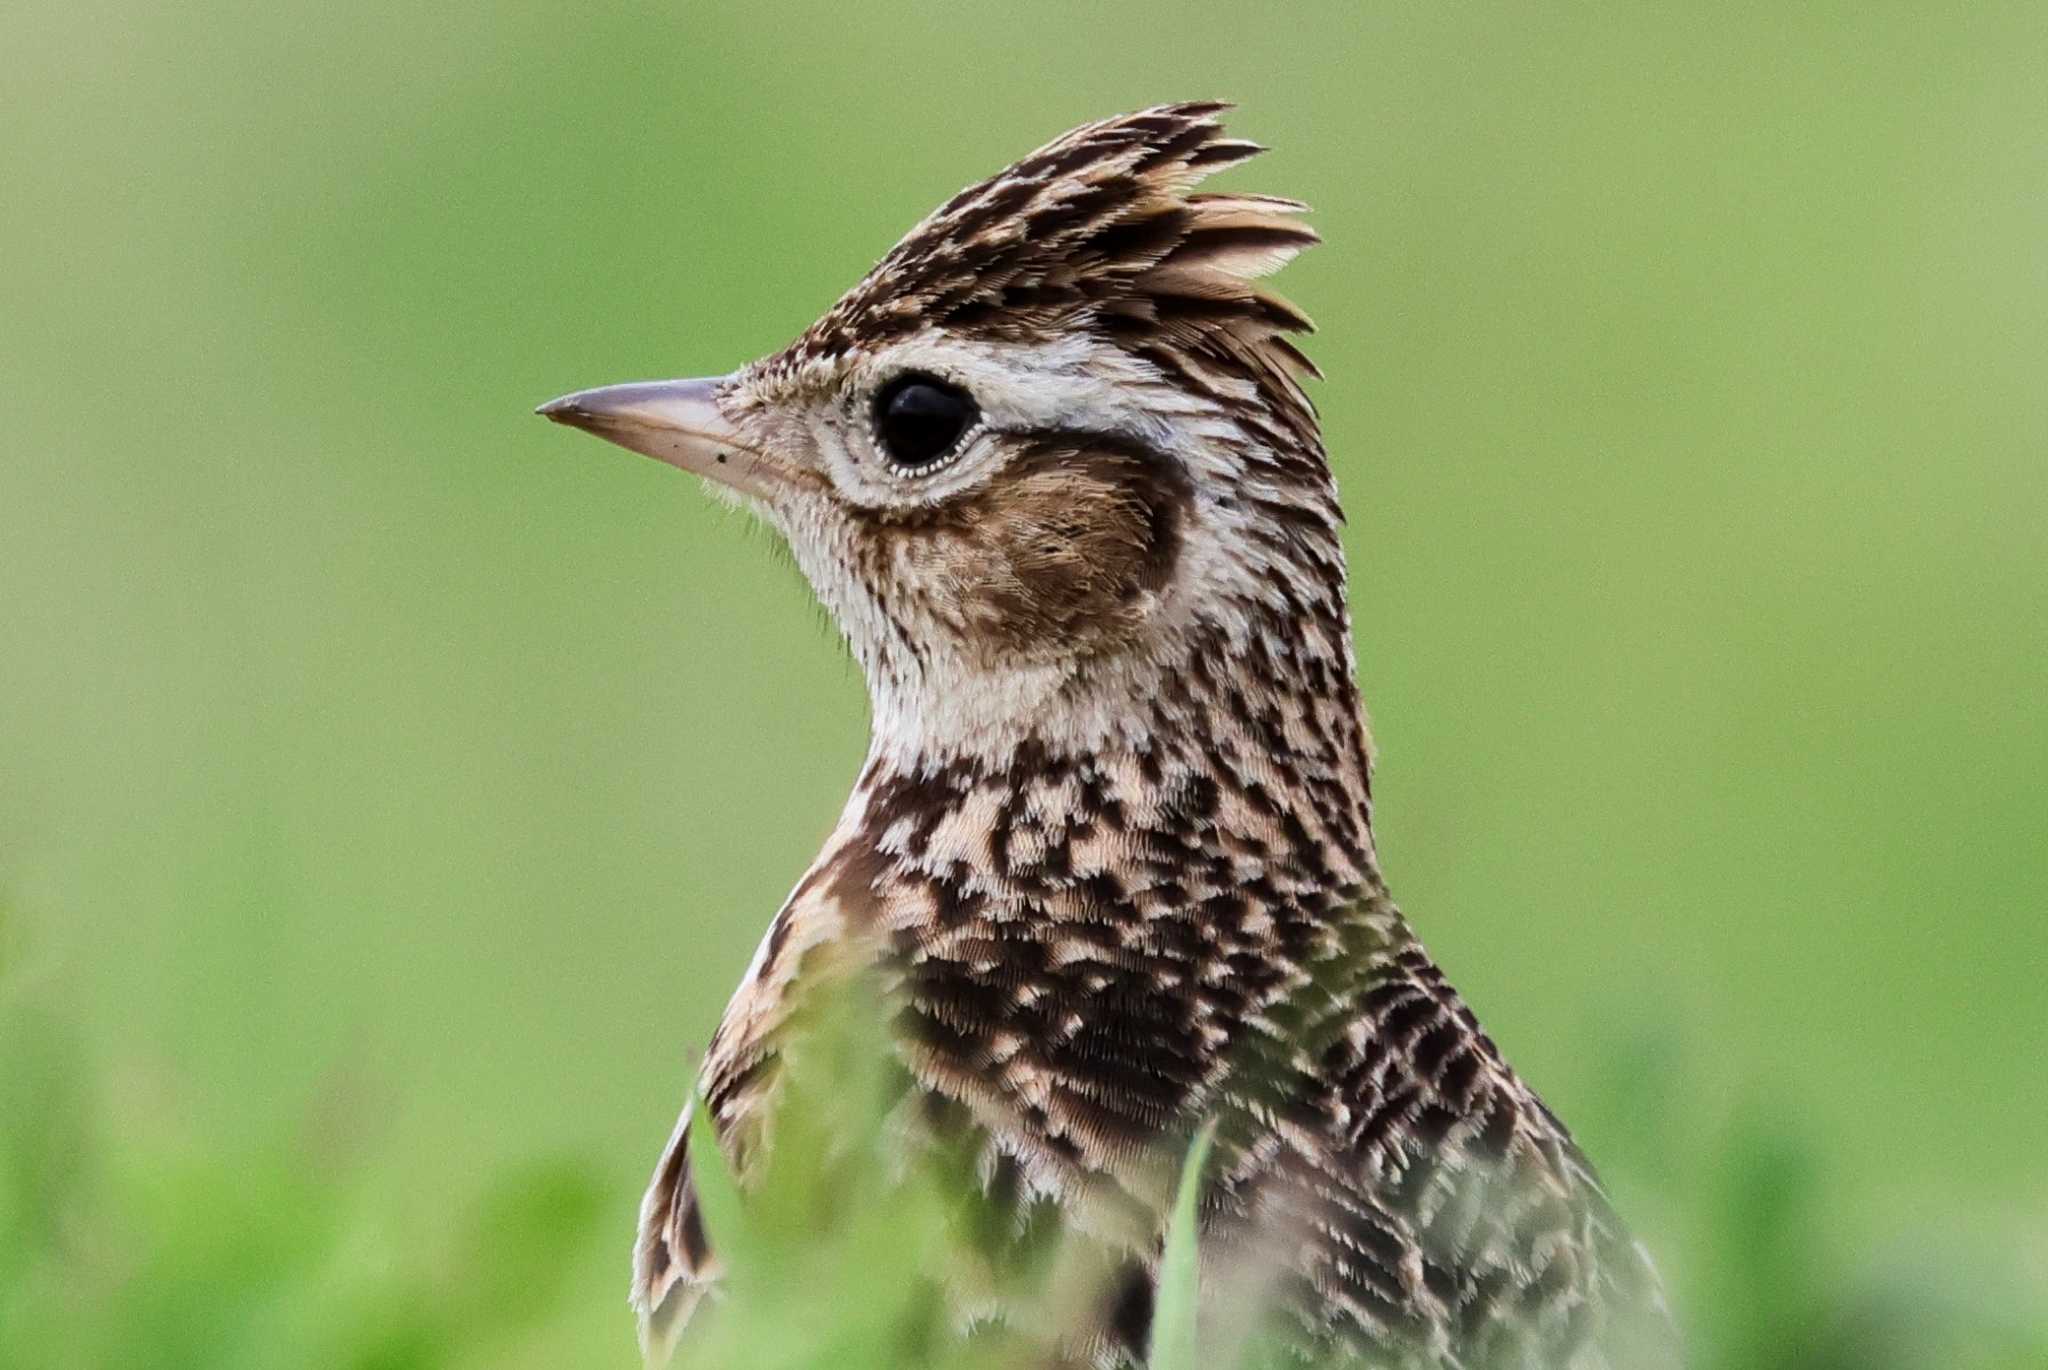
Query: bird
1053, 469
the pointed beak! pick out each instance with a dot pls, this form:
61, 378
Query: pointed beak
677, 422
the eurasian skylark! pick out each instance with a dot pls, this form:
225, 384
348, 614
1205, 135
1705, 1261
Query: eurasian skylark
1052, 469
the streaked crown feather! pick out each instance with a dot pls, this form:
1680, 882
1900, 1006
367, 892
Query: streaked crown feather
1098, 229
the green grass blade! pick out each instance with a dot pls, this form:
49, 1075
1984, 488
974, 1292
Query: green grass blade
718, 1194
1175, 1343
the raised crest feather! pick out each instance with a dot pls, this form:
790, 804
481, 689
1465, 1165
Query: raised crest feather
1087, 233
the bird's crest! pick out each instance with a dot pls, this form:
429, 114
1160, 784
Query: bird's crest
1097, 230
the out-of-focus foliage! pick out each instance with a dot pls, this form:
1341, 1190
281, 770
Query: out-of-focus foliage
1176, 1324
120, 1248
393, 786
120, 1253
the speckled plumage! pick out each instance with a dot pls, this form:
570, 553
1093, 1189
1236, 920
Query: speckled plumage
1112, 847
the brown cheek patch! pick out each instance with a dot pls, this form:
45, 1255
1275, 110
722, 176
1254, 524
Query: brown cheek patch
1063, 552
1068, 547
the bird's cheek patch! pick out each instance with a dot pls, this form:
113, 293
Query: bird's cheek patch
1063, 555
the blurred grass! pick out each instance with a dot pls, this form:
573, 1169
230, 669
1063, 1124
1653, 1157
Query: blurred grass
1175, 1341
391, 788
127, 1248
117, 1251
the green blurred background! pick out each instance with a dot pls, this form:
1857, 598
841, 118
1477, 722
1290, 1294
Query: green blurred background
392, 786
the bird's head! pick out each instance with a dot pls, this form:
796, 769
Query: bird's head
1050, 455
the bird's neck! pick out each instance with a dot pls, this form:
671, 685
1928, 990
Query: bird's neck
1245, 758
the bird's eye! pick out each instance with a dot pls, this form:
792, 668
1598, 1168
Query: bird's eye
920, 420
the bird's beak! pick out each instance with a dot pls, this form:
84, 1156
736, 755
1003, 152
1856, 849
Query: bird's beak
678, 422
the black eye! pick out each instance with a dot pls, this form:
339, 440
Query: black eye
919, 420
